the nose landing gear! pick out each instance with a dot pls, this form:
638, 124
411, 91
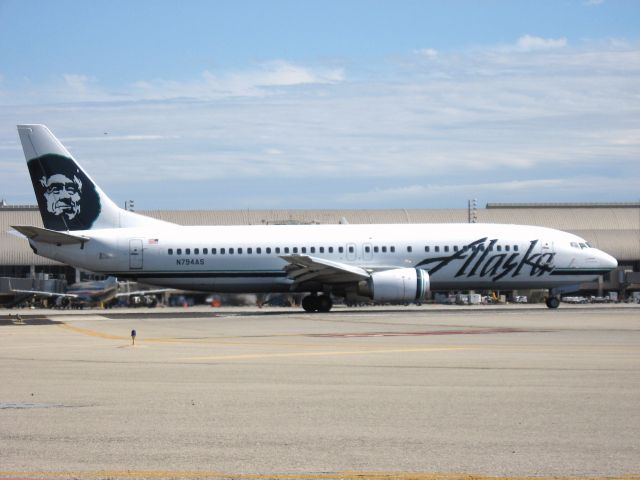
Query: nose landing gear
317, 303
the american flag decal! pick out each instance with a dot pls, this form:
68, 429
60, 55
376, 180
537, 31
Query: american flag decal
153, 241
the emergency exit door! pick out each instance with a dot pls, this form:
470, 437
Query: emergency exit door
135, 253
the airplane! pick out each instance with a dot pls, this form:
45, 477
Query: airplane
77, 294
400, 263
91, 293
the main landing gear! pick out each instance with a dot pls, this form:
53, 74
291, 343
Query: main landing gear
317, 303
552, 301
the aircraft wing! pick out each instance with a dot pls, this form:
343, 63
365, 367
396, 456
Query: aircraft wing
144, 292
303, 268
41, 293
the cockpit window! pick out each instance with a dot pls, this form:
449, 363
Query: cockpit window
589, 245
583, 245
574, 244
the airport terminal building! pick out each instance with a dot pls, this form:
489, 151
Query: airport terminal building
612, 227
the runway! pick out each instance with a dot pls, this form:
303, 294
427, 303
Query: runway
386, 392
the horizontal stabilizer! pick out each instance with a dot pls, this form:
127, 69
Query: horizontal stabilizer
49, 236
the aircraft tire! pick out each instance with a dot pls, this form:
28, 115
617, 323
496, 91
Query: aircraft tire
552, 302
310, 303
324, 303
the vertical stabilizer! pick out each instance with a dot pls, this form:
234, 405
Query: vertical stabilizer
67, 197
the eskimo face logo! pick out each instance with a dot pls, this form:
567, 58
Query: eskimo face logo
67, 198
63, 195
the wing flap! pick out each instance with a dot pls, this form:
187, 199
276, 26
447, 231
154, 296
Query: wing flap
303, 268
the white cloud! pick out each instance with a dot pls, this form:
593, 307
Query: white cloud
528, 43
273, 151
107, 137
414, 192
428, 53
264, 80
544, 188
249, 83
78, 83
496, 121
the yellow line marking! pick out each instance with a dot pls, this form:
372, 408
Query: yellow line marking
92, 333
227, 341
322, 354
210, 340
294, 476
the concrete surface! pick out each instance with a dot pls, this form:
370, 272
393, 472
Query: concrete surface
356, 393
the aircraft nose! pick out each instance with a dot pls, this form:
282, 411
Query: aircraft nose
607, 261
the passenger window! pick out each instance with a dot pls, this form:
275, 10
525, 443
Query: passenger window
258, 250
170, 251
499, 248
515, 248
507, 248
222, 251
240, 251
392, 249
286, 249
268, 249
249, 250
321, 249
350, 249
196, 251
455, 248
437, 248
295, 249
313, 250
341, 249
187, 251
205, 251
213, 251
367, 249
330, 249
231, 251
446, 248
277, 249
384, 249
304, 249
179, 251
426, 249
376, 249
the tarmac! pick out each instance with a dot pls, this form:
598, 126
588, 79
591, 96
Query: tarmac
275, 393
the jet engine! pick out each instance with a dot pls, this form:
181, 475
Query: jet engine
397, 285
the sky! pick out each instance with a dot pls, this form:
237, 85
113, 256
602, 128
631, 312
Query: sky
328, 104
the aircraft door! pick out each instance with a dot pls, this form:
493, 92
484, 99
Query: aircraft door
135, 254
547, 253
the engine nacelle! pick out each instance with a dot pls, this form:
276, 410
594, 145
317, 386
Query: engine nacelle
399, 285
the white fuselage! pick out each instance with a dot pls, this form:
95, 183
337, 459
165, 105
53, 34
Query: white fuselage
247, 259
